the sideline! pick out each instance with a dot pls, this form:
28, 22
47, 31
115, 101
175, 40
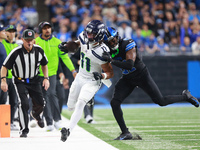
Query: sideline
143, 105
40, 139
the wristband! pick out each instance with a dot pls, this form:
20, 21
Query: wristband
105, 75
74, 72
46, 78
3, 77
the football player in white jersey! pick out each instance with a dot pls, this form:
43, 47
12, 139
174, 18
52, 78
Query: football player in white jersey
90, 76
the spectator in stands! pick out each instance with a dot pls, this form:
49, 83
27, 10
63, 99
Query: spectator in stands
161, 46
134, 26
195, 30
193, 12
9, 12
73, 30
133, 14
145, 32
170, 30
150, 44
124, 29
84, 6
148, 20
30, 13
57, 18
174, 46
3, 19
52, 4
196, 46
83, 25
19, 18
186, 47
109, 8
139, 40
159, 28
72, 14
64, 34
184, 30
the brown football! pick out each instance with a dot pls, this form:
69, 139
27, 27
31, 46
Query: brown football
72, 46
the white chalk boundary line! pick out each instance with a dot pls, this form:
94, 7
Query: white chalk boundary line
39, 139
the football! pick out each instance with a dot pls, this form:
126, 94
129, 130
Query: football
72, 46
69, 47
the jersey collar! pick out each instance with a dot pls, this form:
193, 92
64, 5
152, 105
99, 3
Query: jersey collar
47, 39
25, 51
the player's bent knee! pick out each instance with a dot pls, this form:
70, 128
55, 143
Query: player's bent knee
160, 101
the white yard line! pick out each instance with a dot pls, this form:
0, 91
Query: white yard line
40, 139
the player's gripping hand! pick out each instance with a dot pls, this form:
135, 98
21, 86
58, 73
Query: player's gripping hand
63, 47
106, 56
97, 76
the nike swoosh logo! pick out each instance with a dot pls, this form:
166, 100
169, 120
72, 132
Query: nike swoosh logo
121, 138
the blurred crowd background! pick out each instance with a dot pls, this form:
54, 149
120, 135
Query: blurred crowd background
159, 27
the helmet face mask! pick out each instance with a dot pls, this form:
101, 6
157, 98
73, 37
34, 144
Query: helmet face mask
113, 43
111, 38
94, 31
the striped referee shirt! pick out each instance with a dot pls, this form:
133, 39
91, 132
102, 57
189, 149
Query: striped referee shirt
25, 64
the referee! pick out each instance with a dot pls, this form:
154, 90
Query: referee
24, 61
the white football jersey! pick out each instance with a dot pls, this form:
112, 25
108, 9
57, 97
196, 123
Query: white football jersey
91, 57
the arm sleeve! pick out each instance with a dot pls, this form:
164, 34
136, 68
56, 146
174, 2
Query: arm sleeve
75, 58
9, 61
128, 65
66, 60
59, 67
44, 60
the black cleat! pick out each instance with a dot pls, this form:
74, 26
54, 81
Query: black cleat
39, 120
23, 135
64, 134
136, 137
193, 100
125, 136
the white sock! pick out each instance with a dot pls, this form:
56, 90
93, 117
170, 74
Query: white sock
77, 114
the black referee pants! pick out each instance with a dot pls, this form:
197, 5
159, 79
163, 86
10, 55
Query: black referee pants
35, 92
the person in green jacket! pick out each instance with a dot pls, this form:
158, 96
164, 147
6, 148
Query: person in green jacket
49, 43
9, 45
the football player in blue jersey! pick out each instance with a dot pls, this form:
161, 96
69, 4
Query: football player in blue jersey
124, 54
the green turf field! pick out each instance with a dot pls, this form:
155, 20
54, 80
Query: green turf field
160, 128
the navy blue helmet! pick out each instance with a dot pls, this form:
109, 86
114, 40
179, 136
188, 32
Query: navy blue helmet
94, 31
111, 38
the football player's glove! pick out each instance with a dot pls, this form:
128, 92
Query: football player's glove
97, 76
107, 57
63, 47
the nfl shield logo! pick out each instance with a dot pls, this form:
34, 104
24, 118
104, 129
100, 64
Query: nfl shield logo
29, 33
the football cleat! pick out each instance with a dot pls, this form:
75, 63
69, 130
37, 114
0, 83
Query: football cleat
64, 134
125, 136
23, 135
39, 120
193, 100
